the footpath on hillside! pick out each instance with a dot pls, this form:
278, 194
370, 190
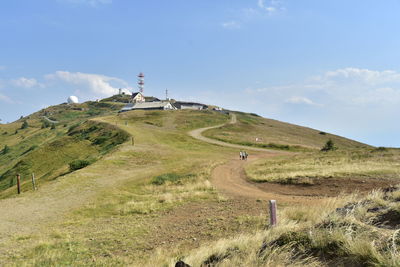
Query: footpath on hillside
230, 178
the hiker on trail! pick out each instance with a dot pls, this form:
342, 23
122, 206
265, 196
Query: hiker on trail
245, 155
241, 155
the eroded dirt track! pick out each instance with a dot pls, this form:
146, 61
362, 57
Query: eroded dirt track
231, 180
197, 134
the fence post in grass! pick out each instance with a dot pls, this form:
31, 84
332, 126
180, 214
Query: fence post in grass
19, 184
272, 213
33, 182
133, 141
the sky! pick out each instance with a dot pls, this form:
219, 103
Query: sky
328, 65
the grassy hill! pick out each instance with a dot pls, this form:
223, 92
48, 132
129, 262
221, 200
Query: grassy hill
276, 135
380, 163
147, 197
52, 139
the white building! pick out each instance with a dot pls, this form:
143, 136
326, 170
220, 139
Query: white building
159, 105
138, 98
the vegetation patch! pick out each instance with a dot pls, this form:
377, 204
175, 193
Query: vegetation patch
252, 130
173, 178
361, 163
78, 164
86, 142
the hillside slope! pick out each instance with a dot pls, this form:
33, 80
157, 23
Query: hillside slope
46, 142
148, 202
252, 130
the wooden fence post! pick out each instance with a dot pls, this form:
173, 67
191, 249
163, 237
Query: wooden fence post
19, 184
272, 213
33, 182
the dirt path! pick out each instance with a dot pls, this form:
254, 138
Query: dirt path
230, 178
197, 134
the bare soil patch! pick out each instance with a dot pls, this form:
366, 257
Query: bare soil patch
194, 223
389, 220
327, 187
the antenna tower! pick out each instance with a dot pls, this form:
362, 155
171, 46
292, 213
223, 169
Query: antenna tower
141, 82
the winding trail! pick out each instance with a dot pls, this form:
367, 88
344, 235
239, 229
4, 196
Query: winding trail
230, 178
197, 134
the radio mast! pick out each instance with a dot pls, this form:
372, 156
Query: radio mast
141, 82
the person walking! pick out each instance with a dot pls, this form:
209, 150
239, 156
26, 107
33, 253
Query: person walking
241, 155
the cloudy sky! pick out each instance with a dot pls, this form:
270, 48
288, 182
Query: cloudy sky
330, 65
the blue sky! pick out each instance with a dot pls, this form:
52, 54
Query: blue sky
330, 65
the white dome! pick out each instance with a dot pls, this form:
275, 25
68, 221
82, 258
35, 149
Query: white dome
72, 100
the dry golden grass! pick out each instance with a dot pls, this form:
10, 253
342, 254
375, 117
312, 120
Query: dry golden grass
356, 163
318, 236
276, 134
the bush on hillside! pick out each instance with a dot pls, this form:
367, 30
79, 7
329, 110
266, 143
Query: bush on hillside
24, 125
78, 164
45, 124
169, 177
5, 150
329, 146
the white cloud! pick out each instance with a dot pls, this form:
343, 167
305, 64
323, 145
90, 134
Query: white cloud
6, 99
25, 83
350, 86
300, 100
231, 25
87, 2
271, 6
362, 75
100, 85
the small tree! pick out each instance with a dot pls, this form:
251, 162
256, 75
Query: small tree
24, 125
329, 146
5, 150
78, 164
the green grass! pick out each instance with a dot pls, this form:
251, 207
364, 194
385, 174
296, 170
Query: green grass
163, 170
117, 201
47, 153
276, 135
171, 178
364, 163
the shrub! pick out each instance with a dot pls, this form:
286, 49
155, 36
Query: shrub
380, 149
169, 177
5, 150
45, 124
329, 146
72, 127
30, 149
78, 164
100, 140
24, 125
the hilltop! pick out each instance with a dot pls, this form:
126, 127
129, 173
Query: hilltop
147, 185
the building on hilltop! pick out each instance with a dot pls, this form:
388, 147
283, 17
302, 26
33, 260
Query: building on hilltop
138, 98
189, 105
159, 105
